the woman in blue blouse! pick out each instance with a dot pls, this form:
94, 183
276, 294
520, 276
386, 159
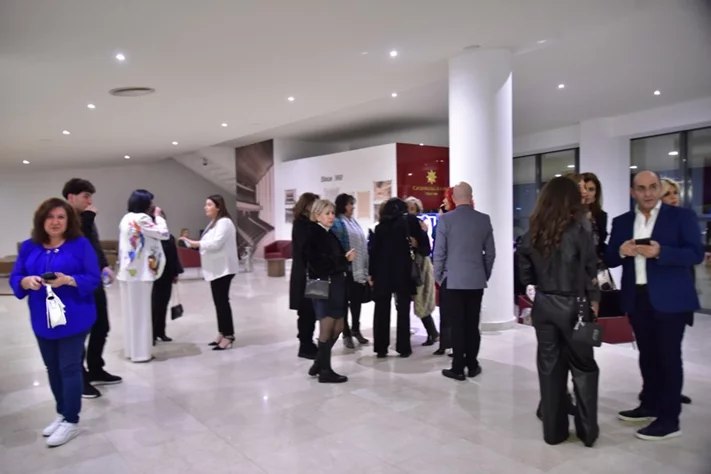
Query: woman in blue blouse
57, 270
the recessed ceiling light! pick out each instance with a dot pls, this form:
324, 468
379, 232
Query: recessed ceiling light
120, 57
541, 41
126, 157
409, 174
674, 153
364, 53
224, 124
91, 106
422, 144
633, 167
25, 162
175, 143
66, 132
571, 166
393, 54
561, 86
657, 92
558, 175
291, 99
394, 94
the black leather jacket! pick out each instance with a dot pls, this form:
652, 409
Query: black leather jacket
561, 272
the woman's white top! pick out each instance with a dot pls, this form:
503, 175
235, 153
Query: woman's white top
218, 250
140, 254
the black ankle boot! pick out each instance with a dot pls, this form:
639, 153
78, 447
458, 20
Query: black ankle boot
432, 334
326, 373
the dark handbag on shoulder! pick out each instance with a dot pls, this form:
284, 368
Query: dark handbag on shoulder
586, 331
317, 289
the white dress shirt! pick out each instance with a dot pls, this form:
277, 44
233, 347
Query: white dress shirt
643, 229
218, 250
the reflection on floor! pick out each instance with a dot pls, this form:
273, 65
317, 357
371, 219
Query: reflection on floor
253, 409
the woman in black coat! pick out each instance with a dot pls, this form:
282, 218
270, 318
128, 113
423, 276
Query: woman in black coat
163, 288
390, 273
306, 320
327, 260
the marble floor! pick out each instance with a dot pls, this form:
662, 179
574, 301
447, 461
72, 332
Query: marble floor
254, 410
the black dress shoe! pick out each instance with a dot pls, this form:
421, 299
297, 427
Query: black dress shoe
471, 373
329, 376
164, 338
451, 374
308, 351
405, 355
381, 355
359, 337
439, 352
685, 400
348, 342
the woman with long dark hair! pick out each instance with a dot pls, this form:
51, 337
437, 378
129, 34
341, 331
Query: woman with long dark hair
218, 256
591, 190
306, 319
351, 236
558, 256
390, 268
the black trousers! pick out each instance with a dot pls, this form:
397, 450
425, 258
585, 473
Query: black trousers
659, 337
160, 299
463, 309
306, 322
381, 324
354, 291
221, 297
445, 323
99, 332
553, 318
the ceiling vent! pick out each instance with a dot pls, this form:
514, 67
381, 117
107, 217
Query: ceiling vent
131, 91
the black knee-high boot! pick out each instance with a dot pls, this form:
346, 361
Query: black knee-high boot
316, 366
432, 333
326, 373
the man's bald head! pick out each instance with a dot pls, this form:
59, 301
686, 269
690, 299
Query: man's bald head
462, 194
646, 190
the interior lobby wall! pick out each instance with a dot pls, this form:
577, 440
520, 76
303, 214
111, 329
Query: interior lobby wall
369, 174
179, 191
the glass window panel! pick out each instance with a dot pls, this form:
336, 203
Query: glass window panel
699, 163
660, 154
524, 192
557, 164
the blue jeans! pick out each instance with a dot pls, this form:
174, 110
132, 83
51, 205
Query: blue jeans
63, 359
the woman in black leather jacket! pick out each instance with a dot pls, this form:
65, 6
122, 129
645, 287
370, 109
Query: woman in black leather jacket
327, 260
558, 256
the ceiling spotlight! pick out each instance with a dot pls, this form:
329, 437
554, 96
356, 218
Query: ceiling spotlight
175, 143
657, 92
224, 124
394, 94
561, 86
674, 153
422, 144
126, 157
364, 53
633, 167
91, 106
66, 132
558, 175
571, 166
291, 99
120, 57
393, 54
541, 41
409, 174
25, 162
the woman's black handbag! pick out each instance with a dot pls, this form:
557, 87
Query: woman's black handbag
586, 331
317, 289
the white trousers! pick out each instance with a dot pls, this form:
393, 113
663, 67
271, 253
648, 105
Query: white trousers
137, 322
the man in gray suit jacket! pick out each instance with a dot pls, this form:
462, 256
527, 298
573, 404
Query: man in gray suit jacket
463, 260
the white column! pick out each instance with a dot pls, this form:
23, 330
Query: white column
608, 156
481, 153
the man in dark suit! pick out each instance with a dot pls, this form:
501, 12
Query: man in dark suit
657, 246
463, 260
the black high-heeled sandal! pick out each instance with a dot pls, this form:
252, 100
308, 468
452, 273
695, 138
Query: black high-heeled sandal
230, 339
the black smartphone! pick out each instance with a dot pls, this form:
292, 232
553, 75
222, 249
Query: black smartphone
643, 241
49, 276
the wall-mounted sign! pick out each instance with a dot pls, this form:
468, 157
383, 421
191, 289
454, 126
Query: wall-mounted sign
328, 179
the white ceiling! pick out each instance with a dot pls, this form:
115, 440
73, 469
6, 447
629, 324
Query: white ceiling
236, 61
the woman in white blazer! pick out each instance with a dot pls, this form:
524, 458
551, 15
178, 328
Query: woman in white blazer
218, 254
141, 262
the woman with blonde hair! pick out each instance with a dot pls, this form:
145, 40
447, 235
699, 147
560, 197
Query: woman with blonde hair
425, 297
670, 192
328, 261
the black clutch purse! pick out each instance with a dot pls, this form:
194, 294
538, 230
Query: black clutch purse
317, 289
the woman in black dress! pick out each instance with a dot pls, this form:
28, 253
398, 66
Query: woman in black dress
390, 268
306, 321
326, 259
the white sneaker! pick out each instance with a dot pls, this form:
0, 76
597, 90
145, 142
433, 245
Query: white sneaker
49, 431
64, 434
